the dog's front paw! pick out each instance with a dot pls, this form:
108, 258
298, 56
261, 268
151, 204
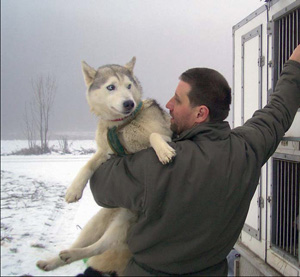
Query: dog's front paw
73, 194
166, 154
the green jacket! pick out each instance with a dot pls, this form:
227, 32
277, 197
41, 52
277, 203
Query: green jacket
192, 210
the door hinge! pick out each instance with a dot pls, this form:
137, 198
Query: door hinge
261, 61
270, 28
260, 202
270, 64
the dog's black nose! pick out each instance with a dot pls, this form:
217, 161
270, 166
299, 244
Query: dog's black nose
128, 105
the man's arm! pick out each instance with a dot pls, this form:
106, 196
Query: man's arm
121, 181
264, 131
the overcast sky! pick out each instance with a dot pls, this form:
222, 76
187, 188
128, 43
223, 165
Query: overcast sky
41, 37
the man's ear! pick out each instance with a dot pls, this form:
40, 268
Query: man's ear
202, 114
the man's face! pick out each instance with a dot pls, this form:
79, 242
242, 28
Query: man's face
183, 116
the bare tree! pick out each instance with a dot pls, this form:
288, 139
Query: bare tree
64, 145
44, 90
29, 129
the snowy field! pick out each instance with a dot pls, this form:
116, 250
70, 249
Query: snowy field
36, 222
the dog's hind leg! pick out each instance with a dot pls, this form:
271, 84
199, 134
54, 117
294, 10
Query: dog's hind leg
91, 233
50, 264
95, 227
114, 237
111, 260
74, 192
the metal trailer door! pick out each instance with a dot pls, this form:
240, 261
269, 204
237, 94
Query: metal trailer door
252, 62
285, 210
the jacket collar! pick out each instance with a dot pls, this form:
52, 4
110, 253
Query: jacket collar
206, 131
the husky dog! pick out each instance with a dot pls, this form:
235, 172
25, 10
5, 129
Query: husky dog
127, 125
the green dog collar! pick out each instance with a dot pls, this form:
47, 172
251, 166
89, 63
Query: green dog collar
112, 134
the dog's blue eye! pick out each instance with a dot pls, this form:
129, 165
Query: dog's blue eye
129, 86
111, 87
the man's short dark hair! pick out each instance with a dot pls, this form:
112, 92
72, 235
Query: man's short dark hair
208, 88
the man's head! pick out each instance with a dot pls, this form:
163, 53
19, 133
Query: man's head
202, 95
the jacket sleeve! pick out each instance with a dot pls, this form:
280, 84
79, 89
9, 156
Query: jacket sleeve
264, 131
121, 181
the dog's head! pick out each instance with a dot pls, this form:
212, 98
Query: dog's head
112, 90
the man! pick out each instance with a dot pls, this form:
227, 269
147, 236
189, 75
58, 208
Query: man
192, 210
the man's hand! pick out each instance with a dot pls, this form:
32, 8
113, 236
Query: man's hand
296, 54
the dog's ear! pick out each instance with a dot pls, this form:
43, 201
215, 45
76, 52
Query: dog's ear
89, 73
130, 65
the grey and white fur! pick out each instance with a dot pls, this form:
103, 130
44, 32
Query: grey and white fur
113, 94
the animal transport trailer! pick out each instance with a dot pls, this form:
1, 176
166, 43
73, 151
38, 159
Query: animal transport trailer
262, 43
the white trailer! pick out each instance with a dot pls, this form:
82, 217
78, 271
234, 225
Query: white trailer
262, 42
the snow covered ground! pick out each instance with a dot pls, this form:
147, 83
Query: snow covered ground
36, 222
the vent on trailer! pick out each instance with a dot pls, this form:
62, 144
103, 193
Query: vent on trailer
287, 37
285, 229
286, 168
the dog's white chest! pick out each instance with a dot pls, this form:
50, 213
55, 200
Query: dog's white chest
101, 139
